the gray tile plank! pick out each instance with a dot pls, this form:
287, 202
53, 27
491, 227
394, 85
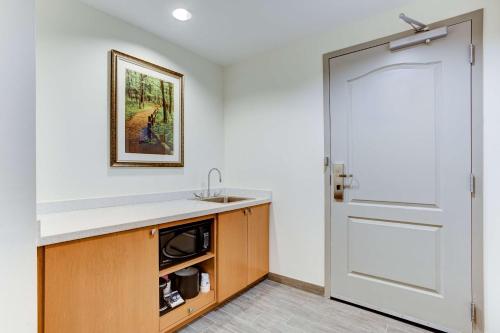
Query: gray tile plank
271, 307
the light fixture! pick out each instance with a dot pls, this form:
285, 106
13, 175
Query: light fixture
181, 14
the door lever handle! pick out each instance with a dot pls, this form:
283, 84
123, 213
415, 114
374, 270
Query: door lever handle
343, 175
339, 183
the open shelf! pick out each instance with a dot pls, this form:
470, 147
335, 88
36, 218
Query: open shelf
185, 264
191, 308
195, 307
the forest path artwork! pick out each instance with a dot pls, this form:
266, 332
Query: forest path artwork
148, 114
137, 135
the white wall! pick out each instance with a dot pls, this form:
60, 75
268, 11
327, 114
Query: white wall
73, 41
274, 137
17, 167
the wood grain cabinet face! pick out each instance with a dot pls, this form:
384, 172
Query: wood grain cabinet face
258, 242
243, 249
104, 284
232, 259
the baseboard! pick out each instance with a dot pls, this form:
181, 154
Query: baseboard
305, 286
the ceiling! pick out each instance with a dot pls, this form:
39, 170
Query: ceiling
227, 31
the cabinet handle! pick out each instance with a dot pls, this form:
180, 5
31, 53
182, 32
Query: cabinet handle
191, 310
153, 232
250, 210
245, 211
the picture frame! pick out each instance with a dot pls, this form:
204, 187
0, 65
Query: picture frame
146, 114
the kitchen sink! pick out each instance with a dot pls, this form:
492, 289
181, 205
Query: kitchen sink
227, 199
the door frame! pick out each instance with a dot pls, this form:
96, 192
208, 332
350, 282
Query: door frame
476, 18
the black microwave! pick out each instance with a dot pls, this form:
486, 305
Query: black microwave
184, 242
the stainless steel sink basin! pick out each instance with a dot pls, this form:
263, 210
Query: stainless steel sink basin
228, 199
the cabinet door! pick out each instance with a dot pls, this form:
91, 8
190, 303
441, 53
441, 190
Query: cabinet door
231, 253
258, 242
103, 284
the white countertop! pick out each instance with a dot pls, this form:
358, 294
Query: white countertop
77, 224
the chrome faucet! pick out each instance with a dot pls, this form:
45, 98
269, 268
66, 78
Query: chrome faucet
209, 174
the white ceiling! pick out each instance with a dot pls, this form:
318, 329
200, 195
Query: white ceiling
227, 31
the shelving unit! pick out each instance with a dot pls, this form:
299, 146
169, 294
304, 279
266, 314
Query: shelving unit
197, 306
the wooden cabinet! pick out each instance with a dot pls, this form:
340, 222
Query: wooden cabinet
232, 253
258, 242
103, 284
110, 283
243, 249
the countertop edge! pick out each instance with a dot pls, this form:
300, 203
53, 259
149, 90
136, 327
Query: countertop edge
94, 232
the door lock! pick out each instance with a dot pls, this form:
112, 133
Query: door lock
339, 185
345, 176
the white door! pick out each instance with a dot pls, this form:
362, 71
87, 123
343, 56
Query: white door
401, 236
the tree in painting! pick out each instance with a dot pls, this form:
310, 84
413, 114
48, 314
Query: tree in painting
149, 114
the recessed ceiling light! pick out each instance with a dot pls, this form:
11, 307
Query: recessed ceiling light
181, 14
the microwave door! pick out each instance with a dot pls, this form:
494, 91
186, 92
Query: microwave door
181, 246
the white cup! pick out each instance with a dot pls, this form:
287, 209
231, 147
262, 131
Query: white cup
205, 283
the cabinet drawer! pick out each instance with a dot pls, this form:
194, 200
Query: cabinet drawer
191, 308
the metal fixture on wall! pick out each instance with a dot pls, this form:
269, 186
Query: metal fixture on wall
416, 25
422, 34
425, 37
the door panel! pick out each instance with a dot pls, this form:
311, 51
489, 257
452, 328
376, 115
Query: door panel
103, 284
401, 234
406, 168
258, 242
232, 248
405, 254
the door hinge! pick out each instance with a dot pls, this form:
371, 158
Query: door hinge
472, 183
472, 54
327, 161
473, 312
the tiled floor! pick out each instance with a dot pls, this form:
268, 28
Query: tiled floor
273, 307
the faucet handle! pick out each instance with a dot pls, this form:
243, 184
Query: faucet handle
217, 194
198, 195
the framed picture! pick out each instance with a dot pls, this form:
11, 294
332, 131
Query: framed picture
146, 114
